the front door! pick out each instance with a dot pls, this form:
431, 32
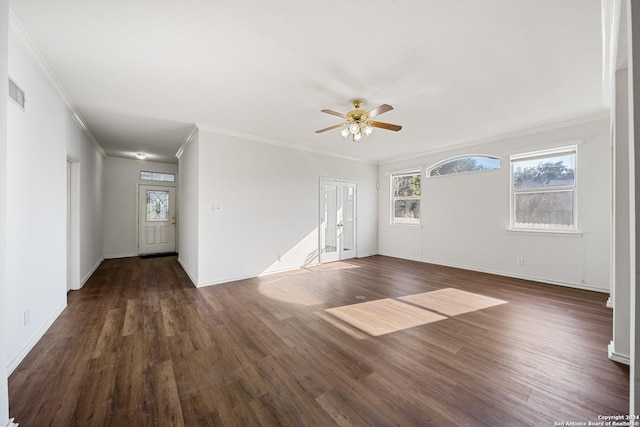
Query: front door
337, 220
157, 219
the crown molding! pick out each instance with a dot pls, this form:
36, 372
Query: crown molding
187, 139
18, 34
605, 115
250, 137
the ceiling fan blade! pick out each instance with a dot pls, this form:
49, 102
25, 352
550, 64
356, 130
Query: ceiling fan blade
331, 127
387, 126
334, 113
379, 110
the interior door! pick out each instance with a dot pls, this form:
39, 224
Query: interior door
157, 219
337, 220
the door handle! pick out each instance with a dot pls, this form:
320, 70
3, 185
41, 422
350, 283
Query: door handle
341, 225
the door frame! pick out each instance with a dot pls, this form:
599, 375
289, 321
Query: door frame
155, 184
321, 231
73, 223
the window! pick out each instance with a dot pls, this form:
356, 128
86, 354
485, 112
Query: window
405, 198
157, 176
543, 190
157, 206
464, 164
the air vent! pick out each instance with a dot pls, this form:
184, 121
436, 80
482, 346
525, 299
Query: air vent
16, 93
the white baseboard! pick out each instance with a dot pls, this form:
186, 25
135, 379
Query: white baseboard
227, 280
186, 270
250, 276
368, 254
11, 423
120, 256
509, 274
609, 302
19, 357
90, 273
620, 358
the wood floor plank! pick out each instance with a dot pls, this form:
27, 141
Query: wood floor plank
139, 345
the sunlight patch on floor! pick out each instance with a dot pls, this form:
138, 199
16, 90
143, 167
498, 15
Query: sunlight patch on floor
389, 315
384, 316
452, 302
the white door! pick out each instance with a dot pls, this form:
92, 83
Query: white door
157, 219
337, 220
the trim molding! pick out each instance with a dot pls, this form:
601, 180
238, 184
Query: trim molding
19, 35
187, 139
249, 137
505, 274
129, 255
15, 361
516, 134
11, 423
186, 270
90, 273
616, 357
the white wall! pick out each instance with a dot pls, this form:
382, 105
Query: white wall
269, 206
465, 217
36, 215
39, 141
89, 162
4, 353
188, 187
121, 180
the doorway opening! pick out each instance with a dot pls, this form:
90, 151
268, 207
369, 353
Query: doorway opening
338, 220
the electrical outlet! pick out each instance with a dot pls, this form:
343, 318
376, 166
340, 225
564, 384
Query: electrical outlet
520, 261
26, 317
279, 258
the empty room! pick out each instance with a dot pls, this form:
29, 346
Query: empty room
346, 213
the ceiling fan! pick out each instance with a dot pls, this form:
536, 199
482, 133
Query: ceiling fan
358, 121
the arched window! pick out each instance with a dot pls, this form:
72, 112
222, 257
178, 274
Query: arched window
464, 164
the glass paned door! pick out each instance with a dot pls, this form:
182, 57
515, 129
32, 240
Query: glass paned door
157, 219
337, 220
348, 220
330, 247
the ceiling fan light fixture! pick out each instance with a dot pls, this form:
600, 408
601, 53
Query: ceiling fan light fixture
358, 123
368, 130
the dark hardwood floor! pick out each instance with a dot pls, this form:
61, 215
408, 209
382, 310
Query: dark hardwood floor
140, 346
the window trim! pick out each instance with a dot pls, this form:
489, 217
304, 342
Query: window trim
542, 154
392, 199
463, 156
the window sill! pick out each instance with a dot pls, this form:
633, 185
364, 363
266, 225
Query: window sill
561, 233
406, 225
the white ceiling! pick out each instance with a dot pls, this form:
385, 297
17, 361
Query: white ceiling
140, 72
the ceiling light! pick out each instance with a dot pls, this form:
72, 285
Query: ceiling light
357, 122
141, 156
